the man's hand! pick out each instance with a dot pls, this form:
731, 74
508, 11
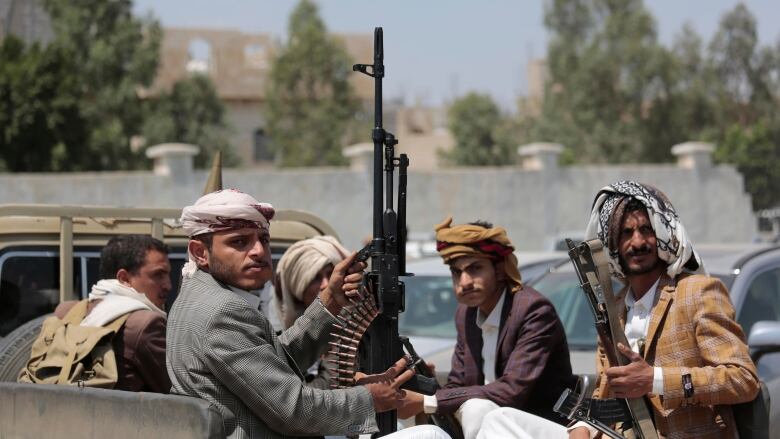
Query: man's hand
343, 283
411, 405
579, 433
385, 387
632, 380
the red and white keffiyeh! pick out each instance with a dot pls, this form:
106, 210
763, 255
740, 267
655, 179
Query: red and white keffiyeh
223, 210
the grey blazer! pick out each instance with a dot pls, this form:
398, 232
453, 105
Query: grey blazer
224, 351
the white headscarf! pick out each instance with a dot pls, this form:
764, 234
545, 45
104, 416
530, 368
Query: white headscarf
116, 299
674, 246
298, 267
223, 210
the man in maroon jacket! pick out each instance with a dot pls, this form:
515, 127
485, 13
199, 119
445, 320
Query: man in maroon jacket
135, 274
511, 348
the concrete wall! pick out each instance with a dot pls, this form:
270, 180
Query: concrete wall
534, 205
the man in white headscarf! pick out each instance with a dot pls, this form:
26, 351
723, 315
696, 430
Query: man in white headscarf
135, 281
688, 355
303, 272
225, 351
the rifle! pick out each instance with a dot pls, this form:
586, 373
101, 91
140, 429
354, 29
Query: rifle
382, 347
590, 264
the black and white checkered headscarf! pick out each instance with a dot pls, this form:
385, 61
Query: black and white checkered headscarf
674, 246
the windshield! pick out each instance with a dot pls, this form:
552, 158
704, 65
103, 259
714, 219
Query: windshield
430, 307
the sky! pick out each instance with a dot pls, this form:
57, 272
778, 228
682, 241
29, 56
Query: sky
436, 50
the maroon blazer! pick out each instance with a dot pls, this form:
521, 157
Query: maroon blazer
139, 347
532, 359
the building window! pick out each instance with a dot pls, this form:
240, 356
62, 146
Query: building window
200, 58
262, 151
255, 56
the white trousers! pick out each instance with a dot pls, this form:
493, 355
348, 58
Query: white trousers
507, 422
471, 413
417, 432
484, 419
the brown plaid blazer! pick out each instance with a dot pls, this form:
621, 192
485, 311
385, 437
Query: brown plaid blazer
532, 358
693, 331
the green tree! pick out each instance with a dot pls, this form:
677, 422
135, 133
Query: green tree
745, 94
111, 55
191, 113
310, 101
609, 94
40, 125
482, 133
755, 150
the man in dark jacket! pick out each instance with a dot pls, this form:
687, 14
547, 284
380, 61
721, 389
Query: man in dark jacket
511, 349
135, 274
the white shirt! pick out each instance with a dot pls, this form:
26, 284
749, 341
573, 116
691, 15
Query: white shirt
638, 322
490, 326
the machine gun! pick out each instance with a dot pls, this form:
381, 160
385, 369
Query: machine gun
381, 346
592, 268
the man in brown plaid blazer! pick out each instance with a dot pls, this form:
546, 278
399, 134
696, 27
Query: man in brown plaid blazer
688, 354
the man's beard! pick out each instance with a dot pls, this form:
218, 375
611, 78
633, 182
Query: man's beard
642, 269
222, 272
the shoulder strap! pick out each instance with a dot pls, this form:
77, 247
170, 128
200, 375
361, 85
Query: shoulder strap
118, 322
76, 314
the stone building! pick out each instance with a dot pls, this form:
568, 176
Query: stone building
239, 65
26, 20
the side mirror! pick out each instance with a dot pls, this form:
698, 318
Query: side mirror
764, 339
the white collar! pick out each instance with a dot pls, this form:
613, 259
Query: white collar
494, 319
647, 300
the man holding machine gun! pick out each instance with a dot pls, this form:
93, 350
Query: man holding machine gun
223, 350
511, 348
687, 353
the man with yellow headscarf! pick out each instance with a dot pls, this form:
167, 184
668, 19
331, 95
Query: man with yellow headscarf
511, 349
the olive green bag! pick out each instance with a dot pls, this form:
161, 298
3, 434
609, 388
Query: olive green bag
66, 353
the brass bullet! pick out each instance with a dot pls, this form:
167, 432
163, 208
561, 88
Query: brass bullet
346, 339
341, 362
342, 346
343, 354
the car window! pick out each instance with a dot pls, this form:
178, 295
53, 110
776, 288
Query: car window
430, 307
563, 290
29, 286
762, 300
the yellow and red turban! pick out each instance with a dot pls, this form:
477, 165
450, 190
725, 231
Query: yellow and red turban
474, 240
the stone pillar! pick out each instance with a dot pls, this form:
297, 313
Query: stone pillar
361, 156
173, 160
694, 155
539, 156
540, 161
